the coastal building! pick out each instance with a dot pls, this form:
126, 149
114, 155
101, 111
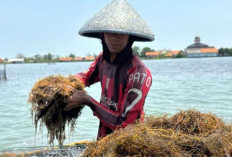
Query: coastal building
1, 60
65, 59
166, 53
69, 59
200, 50
16, 60
176, 52
78, 59
89, 58
152, 54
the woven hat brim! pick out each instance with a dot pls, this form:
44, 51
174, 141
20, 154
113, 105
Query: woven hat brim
96, 34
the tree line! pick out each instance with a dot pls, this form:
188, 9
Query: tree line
140, 52
46, 58
225, 52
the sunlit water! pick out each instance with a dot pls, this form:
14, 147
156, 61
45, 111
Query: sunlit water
204, 84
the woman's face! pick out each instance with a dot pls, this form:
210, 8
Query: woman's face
116, 42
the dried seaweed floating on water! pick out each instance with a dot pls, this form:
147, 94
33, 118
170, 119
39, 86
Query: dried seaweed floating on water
186, 134
48, 97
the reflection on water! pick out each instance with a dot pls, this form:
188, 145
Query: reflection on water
204, 84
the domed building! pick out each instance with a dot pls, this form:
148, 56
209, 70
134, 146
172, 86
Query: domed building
200, 50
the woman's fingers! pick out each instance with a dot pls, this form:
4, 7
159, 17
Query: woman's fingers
75, 99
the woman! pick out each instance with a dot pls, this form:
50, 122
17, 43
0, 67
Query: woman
125, 80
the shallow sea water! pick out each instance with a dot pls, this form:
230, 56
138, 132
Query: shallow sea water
201, 83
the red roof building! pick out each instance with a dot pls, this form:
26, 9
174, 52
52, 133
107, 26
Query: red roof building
201, 50
1, 60
176, 52
65, 59
152, 54
166, 53
89, 58
209, 50
78, 59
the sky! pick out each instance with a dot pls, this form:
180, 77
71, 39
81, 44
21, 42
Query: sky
51, 26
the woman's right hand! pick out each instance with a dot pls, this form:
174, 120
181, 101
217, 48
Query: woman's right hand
78, 98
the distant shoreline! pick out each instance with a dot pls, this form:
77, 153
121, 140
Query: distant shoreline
93, 60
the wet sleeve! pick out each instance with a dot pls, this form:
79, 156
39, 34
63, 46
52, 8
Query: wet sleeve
91, 75
138, 85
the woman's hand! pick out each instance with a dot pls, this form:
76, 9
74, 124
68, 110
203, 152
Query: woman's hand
78, 98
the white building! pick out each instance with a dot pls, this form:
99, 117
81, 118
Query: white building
200, 50
17, 60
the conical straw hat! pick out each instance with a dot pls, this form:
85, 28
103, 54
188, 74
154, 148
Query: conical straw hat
117, 17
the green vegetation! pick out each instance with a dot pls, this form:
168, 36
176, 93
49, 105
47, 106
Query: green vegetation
42, 59
180, 55
140, 52
225, 52
144, 50
136, 50
47, 58
72, 55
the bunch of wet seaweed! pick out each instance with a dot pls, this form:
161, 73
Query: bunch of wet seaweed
186, 134
48, 98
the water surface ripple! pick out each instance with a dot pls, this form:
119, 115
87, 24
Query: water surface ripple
204, 84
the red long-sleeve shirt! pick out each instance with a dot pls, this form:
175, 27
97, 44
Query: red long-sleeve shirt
124, 89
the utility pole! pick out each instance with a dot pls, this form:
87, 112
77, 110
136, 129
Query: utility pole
5, 72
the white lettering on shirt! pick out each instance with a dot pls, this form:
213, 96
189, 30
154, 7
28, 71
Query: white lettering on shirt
148, 82
136, 77
140, 78
138, 98
109, 103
